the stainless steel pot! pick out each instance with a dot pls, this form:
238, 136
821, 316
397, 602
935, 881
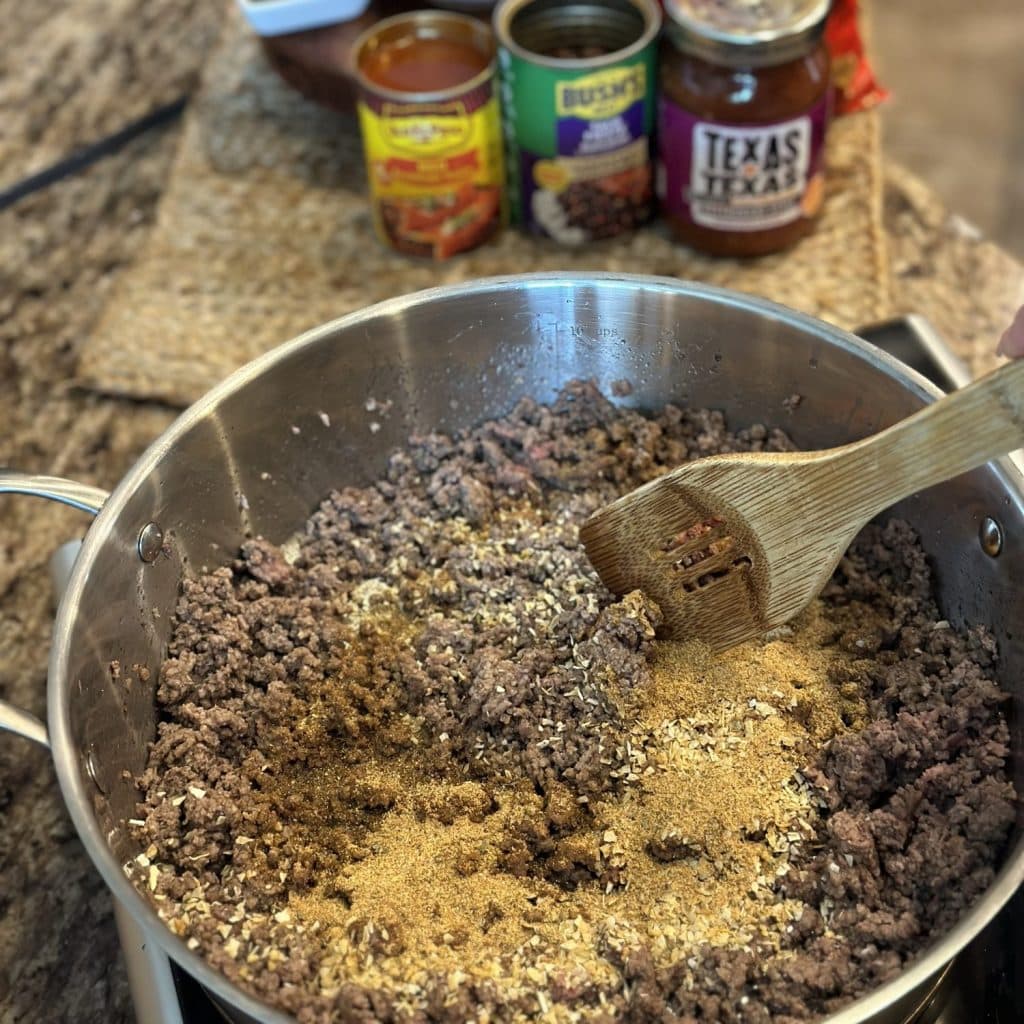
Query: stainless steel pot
259, 451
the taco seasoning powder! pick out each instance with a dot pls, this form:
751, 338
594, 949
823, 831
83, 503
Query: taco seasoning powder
428, 109
742, 117
578, 85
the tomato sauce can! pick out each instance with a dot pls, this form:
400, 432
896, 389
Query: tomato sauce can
578, 94
431, 127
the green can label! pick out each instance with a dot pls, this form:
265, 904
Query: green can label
579, 143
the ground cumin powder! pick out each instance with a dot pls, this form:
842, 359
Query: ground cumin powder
685, 854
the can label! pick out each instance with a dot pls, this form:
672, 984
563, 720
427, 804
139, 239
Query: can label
581, 147
435, 170
740, 177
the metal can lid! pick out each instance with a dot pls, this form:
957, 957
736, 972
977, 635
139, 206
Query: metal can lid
747, 33
617, 30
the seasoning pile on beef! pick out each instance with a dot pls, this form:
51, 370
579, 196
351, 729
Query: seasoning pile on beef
419, 765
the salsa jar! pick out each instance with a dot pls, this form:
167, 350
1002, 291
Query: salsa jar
431, 127
578, 86
742, 117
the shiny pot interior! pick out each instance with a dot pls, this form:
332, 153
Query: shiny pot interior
257, 454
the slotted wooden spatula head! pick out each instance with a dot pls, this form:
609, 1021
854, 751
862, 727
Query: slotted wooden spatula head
732, 546
705, 542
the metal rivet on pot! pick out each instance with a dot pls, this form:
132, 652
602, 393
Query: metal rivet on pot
991, 535
151, 542
92, 768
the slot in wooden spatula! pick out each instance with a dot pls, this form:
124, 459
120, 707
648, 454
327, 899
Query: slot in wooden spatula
731, 546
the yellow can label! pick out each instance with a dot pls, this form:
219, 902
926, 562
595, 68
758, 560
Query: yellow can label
436, 172
443, 131
603, 94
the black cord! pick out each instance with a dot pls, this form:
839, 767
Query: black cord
91, 153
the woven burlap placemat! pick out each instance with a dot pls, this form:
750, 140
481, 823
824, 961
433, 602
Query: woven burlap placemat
264, 231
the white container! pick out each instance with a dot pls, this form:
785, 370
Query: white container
276, 17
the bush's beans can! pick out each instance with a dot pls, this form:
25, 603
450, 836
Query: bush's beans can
578, 93
431, 126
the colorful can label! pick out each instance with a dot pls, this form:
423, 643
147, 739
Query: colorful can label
436, 170
579, 137
740, 177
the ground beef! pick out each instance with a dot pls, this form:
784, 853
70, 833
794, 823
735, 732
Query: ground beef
447, 614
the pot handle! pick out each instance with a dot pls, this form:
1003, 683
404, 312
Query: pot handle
55, 488
80, 496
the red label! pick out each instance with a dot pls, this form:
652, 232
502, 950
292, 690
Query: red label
856, 85
465, 161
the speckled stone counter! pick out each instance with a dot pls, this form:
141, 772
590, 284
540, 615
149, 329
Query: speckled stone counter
60, 250
73, 73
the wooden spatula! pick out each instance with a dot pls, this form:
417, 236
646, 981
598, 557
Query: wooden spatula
731, 546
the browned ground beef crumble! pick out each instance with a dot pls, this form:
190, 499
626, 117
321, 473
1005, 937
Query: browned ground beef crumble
266, 684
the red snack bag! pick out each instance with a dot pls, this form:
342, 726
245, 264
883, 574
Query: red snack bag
856, 85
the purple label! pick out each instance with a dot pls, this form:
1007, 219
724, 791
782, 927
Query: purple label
580, 137
740, 177
597, 182
577, 199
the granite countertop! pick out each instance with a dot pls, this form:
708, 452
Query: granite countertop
74, 73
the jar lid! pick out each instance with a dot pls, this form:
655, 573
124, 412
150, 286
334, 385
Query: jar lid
746, 33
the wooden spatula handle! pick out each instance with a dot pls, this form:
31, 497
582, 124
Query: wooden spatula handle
959, 432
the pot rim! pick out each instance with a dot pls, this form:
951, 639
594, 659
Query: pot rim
72, 785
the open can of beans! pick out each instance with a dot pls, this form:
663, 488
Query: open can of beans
578, 92
428, 109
